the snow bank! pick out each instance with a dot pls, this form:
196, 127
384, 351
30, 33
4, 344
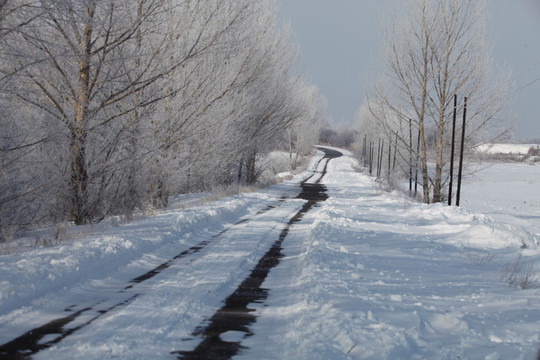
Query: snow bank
118, 251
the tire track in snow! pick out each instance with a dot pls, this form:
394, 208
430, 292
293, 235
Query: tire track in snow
235, 317
54, 331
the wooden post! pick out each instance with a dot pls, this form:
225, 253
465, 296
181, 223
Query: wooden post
460, 173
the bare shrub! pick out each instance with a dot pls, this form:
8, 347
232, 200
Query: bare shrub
534, 151
520, 273
479, 258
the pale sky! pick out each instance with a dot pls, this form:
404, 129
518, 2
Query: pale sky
340, 50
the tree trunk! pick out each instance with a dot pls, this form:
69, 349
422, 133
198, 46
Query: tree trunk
78, 179
437, 183
251, 175
425, 175
295, 156
291, 150
78, 166
160, 193
131, 200
240, 166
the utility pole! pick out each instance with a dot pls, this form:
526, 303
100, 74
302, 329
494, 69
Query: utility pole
410, 156
416, 164
460, 173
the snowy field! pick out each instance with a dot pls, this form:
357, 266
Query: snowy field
507, 192
366, 275
507, 148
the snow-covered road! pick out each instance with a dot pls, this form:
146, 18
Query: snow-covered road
365, 274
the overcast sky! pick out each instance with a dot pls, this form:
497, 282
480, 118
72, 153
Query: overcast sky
340, 49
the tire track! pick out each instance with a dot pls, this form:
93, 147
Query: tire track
54, 331
235, 315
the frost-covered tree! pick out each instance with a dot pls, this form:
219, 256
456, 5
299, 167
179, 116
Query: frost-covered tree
271, 93
304, 133
112, 106
21, 182
257, 101
178, 131
107, 71
88, 74
433, 51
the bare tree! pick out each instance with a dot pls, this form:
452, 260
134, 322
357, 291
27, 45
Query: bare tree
20, 181
175, 135
257, 100
103, 66
116, 105
304, 133
435, 51
83, 83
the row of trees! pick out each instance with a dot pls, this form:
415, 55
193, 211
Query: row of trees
434, 50
107, 106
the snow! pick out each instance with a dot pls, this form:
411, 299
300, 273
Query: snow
515, 149
367, 274
508, 193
